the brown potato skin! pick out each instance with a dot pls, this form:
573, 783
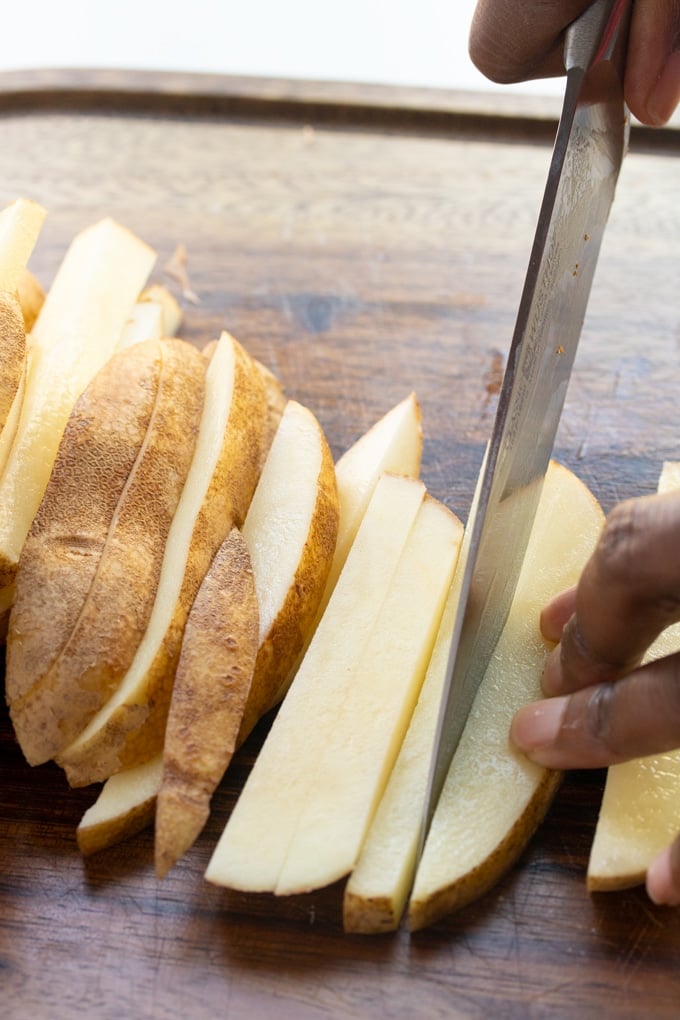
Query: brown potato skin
210, 691
12, 352
135, 732
280, 650
88, 572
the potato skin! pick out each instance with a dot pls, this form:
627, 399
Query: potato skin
135, 731
88, 572
12, 352
211, 688
31, 298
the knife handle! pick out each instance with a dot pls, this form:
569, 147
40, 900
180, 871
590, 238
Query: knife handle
593, 35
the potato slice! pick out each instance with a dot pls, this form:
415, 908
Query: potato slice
640, 810
211, 688
380, 696
393, 444
247, 857
20, 226
145, 323
494, 797
125, 806
171, 312
31, 298
226, 464
77, 329
12, 354
91, 563
291, 530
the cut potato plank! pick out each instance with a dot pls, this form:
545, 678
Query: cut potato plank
74, 335
379, 697
125, 805
211, 688
145, 323
248, 855
225, 467
171, 312
494, 797
640, 810
90, 565
31, 298
291, 530
394, 445
20, 226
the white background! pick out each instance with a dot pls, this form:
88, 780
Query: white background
406, 42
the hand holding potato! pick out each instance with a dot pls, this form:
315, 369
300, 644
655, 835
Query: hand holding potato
603, 707
512, 41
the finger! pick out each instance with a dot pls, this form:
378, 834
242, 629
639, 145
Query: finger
557, 613
652, 84
663, 876
512, 41
607, 724
628, 593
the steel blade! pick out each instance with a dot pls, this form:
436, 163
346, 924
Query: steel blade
589, 147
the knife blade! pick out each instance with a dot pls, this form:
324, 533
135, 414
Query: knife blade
590, 143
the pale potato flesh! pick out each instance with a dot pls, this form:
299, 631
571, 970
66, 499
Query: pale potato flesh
494, 797
91, 563
247, 857
361, 747
126, 804
171, 311
640, 810
31, 298
20, 226
145, 323
74, 335
291, 530
209, 695
227, 459
393, 444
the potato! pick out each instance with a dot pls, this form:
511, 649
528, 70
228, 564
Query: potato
12, 354
291, 531
74, 335
640, 810
20, 225
254, 844
226, 464
90, 566
31, 298
494, 797
211, 688
125, 806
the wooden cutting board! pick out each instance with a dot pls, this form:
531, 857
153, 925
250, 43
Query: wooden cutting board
362, 243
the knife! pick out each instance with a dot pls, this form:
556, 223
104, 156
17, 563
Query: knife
592, 137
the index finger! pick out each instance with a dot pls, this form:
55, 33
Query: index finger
628, 593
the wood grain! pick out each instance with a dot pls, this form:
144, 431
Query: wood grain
359, 257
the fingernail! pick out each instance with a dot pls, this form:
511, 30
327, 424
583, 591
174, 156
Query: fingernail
660, 887
665, 94
537, 726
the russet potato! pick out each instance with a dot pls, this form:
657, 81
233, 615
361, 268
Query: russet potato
12, 353
126, 805
273, 798
225, 467
90, 566
291, 530
494, 797
209, 695
74, 335
31, 295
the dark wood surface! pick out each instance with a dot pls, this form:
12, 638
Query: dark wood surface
360, 254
